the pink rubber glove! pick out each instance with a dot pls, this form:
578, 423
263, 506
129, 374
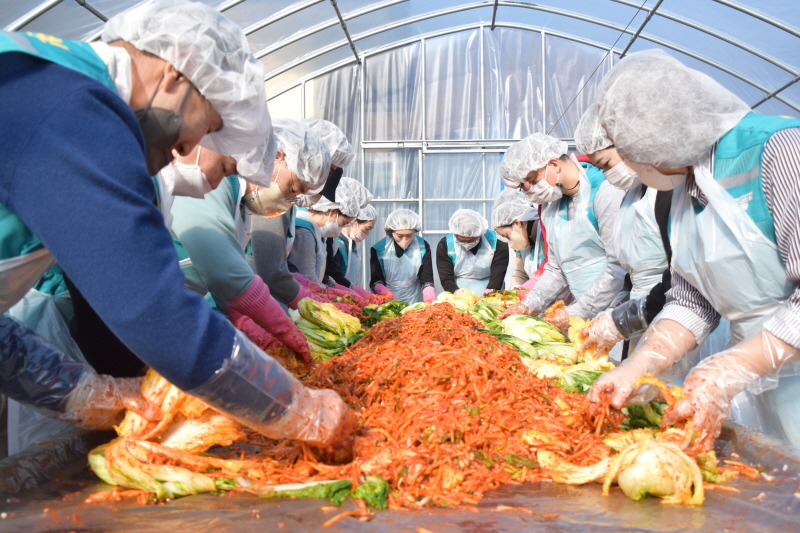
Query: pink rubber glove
528, 285
310, 285
487, 291
254, 332
361, 292
305, 293
383, 291
350, 309
428, 294
257, 303
602, 333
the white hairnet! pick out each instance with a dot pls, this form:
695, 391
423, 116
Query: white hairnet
402, 219
367, 212
531, 153
660, 112
511, 195
339, 147
350, 196
212, 52
306, 155
256, 165
590, 137
467, 223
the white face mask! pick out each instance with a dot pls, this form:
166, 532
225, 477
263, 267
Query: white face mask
468, 245
331, 230
404, 245
189, 180
518, 241
544, 193
655, 179
622, 177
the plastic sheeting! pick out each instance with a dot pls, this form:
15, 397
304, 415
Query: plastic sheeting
57, 504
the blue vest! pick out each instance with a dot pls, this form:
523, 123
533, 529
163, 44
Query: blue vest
16, 238
737, 165
596, 178
344, 257
490, 235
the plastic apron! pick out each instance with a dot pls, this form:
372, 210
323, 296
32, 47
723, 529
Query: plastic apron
165, 198
726, 245
353, 270
304, 220
402, 273
291, 229
639, 247
472, 271
241, 216
575, 243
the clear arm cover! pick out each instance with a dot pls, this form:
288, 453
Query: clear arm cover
600, 295
547, 288
712, 384
256, 391
630, 317
35, 373
663, 344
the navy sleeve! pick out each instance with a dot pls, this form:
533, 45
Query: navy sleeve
426, 270
499, 266
444, 265
78, 179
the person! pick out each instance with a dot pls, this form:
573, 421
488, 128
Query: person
324, 220
273, 233
400, 263
580, 211
344, 264
642, 244
89, 125
469, 257
213, 233
92, 336
734, 226
516, 221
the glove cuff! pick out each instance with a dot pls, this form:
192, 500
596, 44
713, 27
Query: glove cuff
630, 317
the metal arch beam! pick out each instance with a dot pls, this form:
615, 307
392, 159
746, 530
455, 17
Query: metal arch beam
763, 18
717, 35
774, 93
639, 31
557, 11
31, 15
228, 5
322, 26
494, 15
279, 16
346, 33
84, 4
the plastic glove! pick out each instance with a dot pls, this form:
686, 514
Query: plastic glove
253, 389
361, 292
518, 309
664, 343
560, 319
383, 291
257, 303
712, 384
428, 294
99, 401
602, 333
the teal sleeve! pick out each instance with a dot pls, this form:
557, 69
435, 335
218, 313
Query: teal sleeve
207, 231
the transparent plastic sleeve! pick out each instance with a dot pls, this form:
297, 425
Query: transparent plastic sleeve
252, 388
630, 317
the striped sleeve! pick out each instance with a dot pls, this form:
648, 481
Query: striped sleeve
686, 306
781, 182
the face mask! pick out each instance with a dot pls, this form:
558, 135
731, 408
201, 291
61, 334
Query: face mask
161, 129
544, 193
621, 177
655, 179
331, 230
189, 180
267, 202
517, 241
359, 236
468, 245
404, 245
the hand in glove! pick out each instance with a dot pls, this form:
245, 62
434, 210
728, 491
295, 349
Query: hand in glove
712, 384
361, 292
260, 336
428, 294
310, 285
487, 291
383, 291
559, 319
341, 290
518, 309
99, 401
319, 417
257, 303
352, 310
664, 343
528, 285
602, 333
